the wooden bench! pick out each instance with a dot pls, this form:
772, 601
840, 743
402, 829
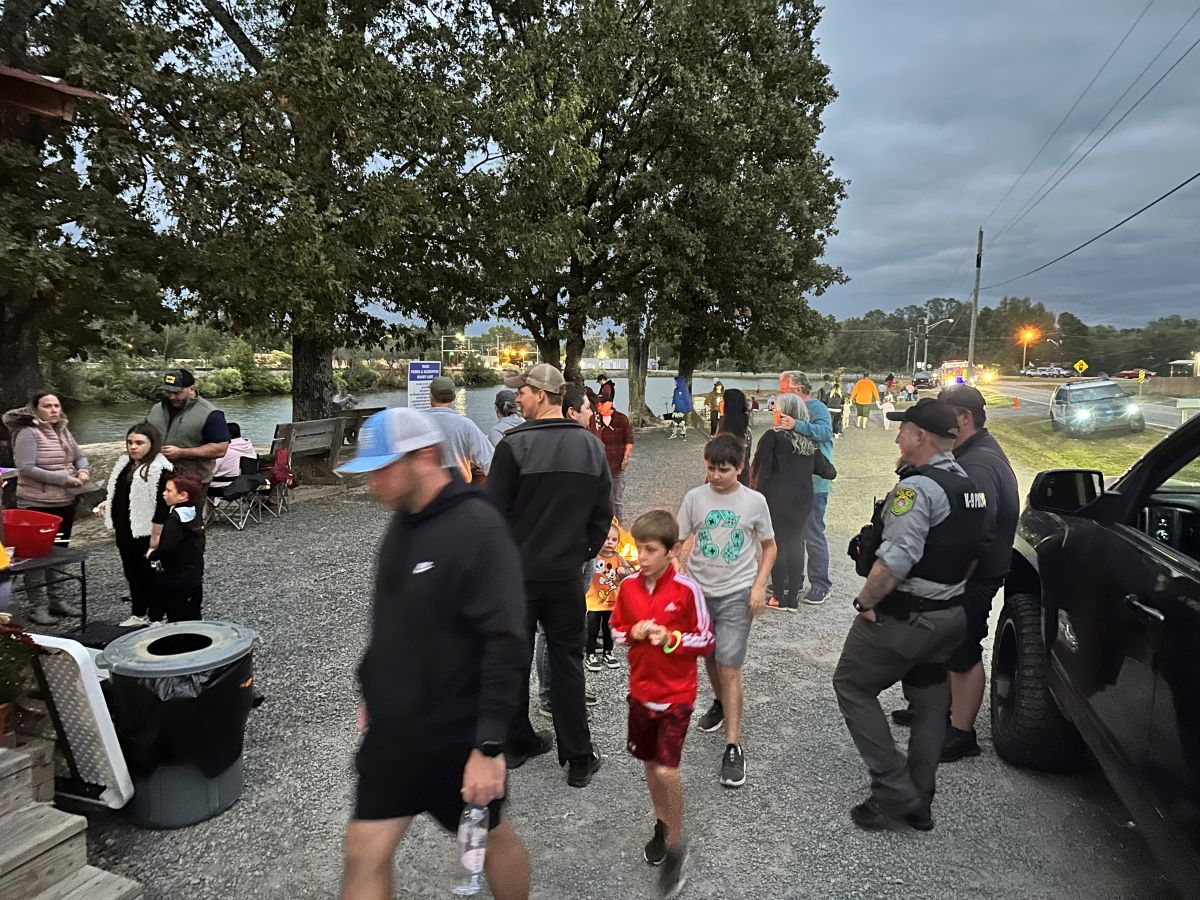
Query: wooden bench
353, 419
313, 448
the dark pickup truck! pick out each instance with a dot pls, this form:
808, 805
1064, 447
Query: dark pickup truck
1098, 642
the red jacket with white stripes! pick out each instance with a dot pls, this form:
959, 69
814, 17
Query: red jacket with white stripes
677, 603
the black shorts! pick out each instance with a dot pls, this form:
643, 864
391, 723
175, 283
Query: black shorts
396, 782
977, 604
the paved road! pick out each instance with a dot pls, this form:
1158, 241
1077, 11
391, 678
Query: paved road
1039, 394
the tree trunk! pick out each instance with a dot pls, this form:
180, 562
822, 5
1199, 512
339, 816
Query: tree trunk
20, 369
688, 357
574, 343
640, 414
549, 349
312, 376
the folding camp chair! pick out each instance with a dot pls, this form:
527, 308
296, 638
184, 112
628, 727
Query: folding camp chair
281, 479
237, 501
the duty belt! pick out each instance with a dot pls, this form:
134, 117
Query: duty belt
902, 604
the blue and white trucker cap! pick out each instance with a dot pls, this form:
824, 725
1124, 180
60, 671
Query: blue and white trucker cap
390, 435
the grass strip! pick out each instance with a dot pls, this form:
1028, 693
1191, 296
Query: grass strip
1033, 445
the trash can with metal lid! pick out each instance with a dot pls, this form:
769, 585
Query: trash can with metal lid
180, 695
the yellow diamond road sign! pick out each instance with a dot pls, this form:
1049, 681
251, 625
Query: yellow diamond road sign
1080, 367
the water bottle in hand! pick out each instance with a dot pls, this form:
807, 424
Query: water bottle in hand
472, 845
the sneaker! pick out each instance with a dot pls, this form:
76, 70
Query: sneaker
919, 821
518, 756
589, 699
869, 817
815, 597
581, 770
903, 717
611, 661
959, 744
656, 847
733, 766
672, 879
593, 663
135, 622
713, 719
545, 710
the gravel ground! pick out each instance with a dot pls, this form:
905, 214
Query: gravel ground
304, 582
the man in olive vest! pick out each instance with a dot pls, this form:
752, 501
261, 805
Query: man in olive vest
194, 431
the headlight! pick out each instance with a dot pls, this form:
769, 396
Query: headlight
1133, 409
1083, 415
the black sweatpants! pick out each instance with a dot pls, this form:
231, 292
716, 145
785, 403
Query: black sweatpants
181, 599
560, 607
143, 591
597, 625
787, 576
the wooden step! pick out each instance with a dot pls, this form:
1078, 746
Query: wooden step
16, 782
90, 883
41, 847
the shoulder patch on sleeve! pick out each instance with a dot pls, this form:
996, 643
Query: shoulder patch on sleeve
903, 501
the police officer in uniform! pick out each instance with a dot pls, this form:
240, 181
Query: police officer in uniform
917, 555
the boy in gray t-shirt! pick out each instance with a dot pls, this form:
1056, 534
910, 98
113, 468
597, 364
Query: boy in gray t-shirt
722, 521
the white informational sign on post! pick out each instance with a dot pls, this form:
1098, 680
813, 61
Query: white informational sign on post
419, 376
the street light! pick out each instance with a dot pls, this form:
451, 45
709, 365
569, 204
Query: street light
1028, 336
925, 358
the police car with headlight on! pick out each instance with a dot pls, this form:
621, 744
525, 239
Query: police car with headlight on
1098, 405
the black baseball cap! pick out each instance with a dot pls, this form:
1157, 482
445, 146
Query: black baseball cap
177, 380
963, 396
935, 416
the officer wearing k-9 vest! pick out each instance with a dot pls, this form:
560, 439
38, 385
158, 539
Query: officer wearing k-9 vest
916, 555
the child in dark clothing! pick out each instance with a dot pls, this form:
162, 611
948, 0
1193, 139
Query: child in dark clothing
179, 556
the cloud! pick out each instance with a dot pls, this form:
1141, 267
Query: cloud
941, 106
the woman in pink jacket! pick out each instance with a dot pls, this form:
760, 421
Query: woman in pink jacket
51, 473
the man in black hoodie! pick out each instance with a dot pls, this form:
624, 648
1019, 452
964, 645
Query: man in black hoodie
447, 656
550, 480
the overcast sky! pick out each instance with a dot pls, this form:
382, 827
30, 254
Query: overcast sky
943, 103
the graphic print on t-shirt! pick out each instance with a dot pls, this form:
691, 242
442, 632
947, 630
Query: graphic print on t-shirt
721, 535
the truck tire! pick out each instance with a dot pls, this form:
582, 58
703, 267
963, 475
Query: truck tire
1027, 727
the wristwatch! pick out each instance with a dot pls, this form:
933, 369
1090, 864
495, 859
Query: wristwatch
491, 749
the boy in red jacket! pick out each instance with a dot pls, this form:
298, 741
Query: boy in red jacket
661, 616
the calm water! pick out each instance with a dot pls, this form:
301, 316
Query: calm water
258, 416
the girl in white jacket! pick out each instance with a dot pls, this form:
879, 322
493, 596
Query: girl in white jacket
135, 512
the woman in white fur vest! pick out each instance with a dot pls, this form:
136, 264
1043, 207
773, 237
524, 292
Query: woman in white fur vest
135, 512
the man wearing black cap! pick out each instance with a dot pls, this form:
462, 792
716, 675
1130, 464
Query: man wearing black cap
986, 464
928, 532
194, 431
550, 480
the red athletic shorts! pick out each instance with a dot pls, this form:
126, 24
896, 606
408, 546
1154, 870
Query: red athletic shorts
657, 735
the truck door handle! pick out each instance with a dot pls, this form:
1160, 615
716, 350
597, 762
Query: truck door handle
1135, 604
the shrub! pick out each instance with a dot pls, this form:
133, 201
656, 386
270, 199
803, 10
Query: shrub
360, 378
475, 373
222, 383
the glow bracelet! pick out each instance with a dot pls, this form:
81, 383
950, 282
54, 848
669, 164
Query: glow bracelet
671, 648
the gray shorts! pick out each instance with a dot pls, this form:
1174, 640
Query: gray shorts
731, 626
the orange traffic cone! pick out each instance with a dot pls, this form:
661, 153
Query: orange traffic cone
1016, 402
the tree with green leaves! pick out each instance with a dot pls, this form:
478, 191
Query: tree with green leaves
317, 173
78, 244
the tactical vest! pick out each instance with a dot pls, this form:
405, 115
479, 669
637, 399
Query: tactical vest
185, 430
955, 543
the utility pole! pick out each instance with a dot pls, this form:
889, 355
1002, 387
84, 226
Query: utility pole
975, 306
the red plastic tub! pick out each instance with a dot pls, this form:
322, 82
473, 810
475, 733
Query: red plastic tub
30, 533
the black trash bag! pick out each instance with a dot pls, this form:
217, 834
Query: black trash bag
198, 718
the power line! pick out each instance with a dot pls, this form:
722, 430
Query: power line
1107, 231
1063, 120
1029, 207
